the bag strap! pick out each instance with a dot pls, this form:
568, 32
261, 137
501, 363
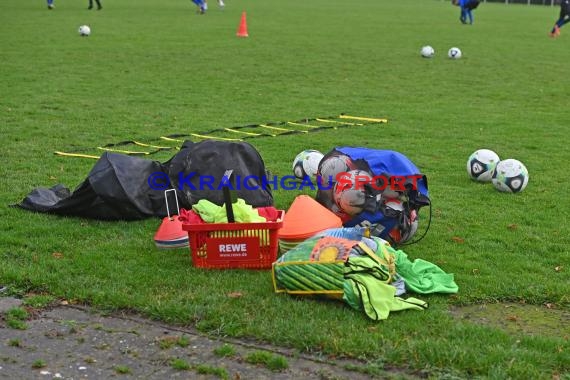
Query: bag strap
387, 261
167, 207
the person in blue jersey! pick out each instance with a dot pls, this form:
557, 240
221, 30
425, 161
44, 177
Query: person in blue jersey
562, 19
467, 7
99, 7
50, 4
201, 4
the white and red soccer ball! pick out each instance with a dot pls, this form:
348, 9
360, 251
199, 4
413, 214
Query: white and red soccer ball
349, 193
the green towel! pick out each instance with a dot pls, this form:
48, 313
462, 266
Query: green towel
212, 213
424, 277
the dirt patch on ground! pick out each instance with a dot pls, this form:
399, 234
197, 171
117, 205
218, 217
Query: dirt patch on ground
70, 342
518, 318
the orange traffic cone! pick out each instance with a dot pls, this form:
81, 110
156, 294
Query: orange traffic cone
242, 30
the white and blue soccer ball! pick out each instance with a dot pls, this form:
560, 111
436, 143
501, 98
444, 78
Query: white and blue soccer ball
306, 163
481, 165
510, 176
84, 30
454, 53
427, 51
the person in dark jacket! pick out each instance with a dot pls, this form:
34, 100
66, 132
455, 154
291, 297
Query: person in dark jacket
562, 19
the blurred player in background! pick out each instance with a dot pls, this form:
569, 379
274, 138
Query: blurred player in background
467, 6
562, 19
91, 4
220, 3
202, 6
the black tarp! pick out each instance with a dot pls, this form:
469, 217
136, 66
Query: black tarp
118, 185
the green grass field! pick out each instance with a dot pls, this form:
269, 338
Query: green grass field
153, 68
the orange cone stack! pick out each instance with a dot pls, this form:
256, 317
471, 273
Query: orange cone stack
242, 30
304, 219
170, 233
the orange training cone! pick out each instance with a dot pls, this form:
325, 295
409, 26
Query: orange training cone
305, 218
242, 30
170, 234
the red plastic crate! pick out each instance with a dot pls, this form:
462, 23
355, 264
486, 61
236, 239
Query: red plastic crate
234, 245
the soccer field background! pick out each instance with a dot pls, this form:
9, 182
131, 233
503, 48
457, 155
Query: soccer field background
153, 68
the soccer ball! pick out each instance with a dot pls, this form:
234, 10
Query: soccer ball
510, 176
306, 163
427, 51
481, 164
84, 30
349, 193
331, 166
454, 53
407, 220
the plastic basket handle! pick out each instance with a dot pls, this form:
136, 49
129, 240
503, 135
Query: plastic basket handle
166, 199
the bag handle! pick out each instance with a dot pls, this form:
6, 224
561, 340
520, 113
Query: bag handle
228, 201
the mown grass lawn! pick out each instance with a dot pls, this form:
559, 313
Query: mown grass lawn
156, 68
